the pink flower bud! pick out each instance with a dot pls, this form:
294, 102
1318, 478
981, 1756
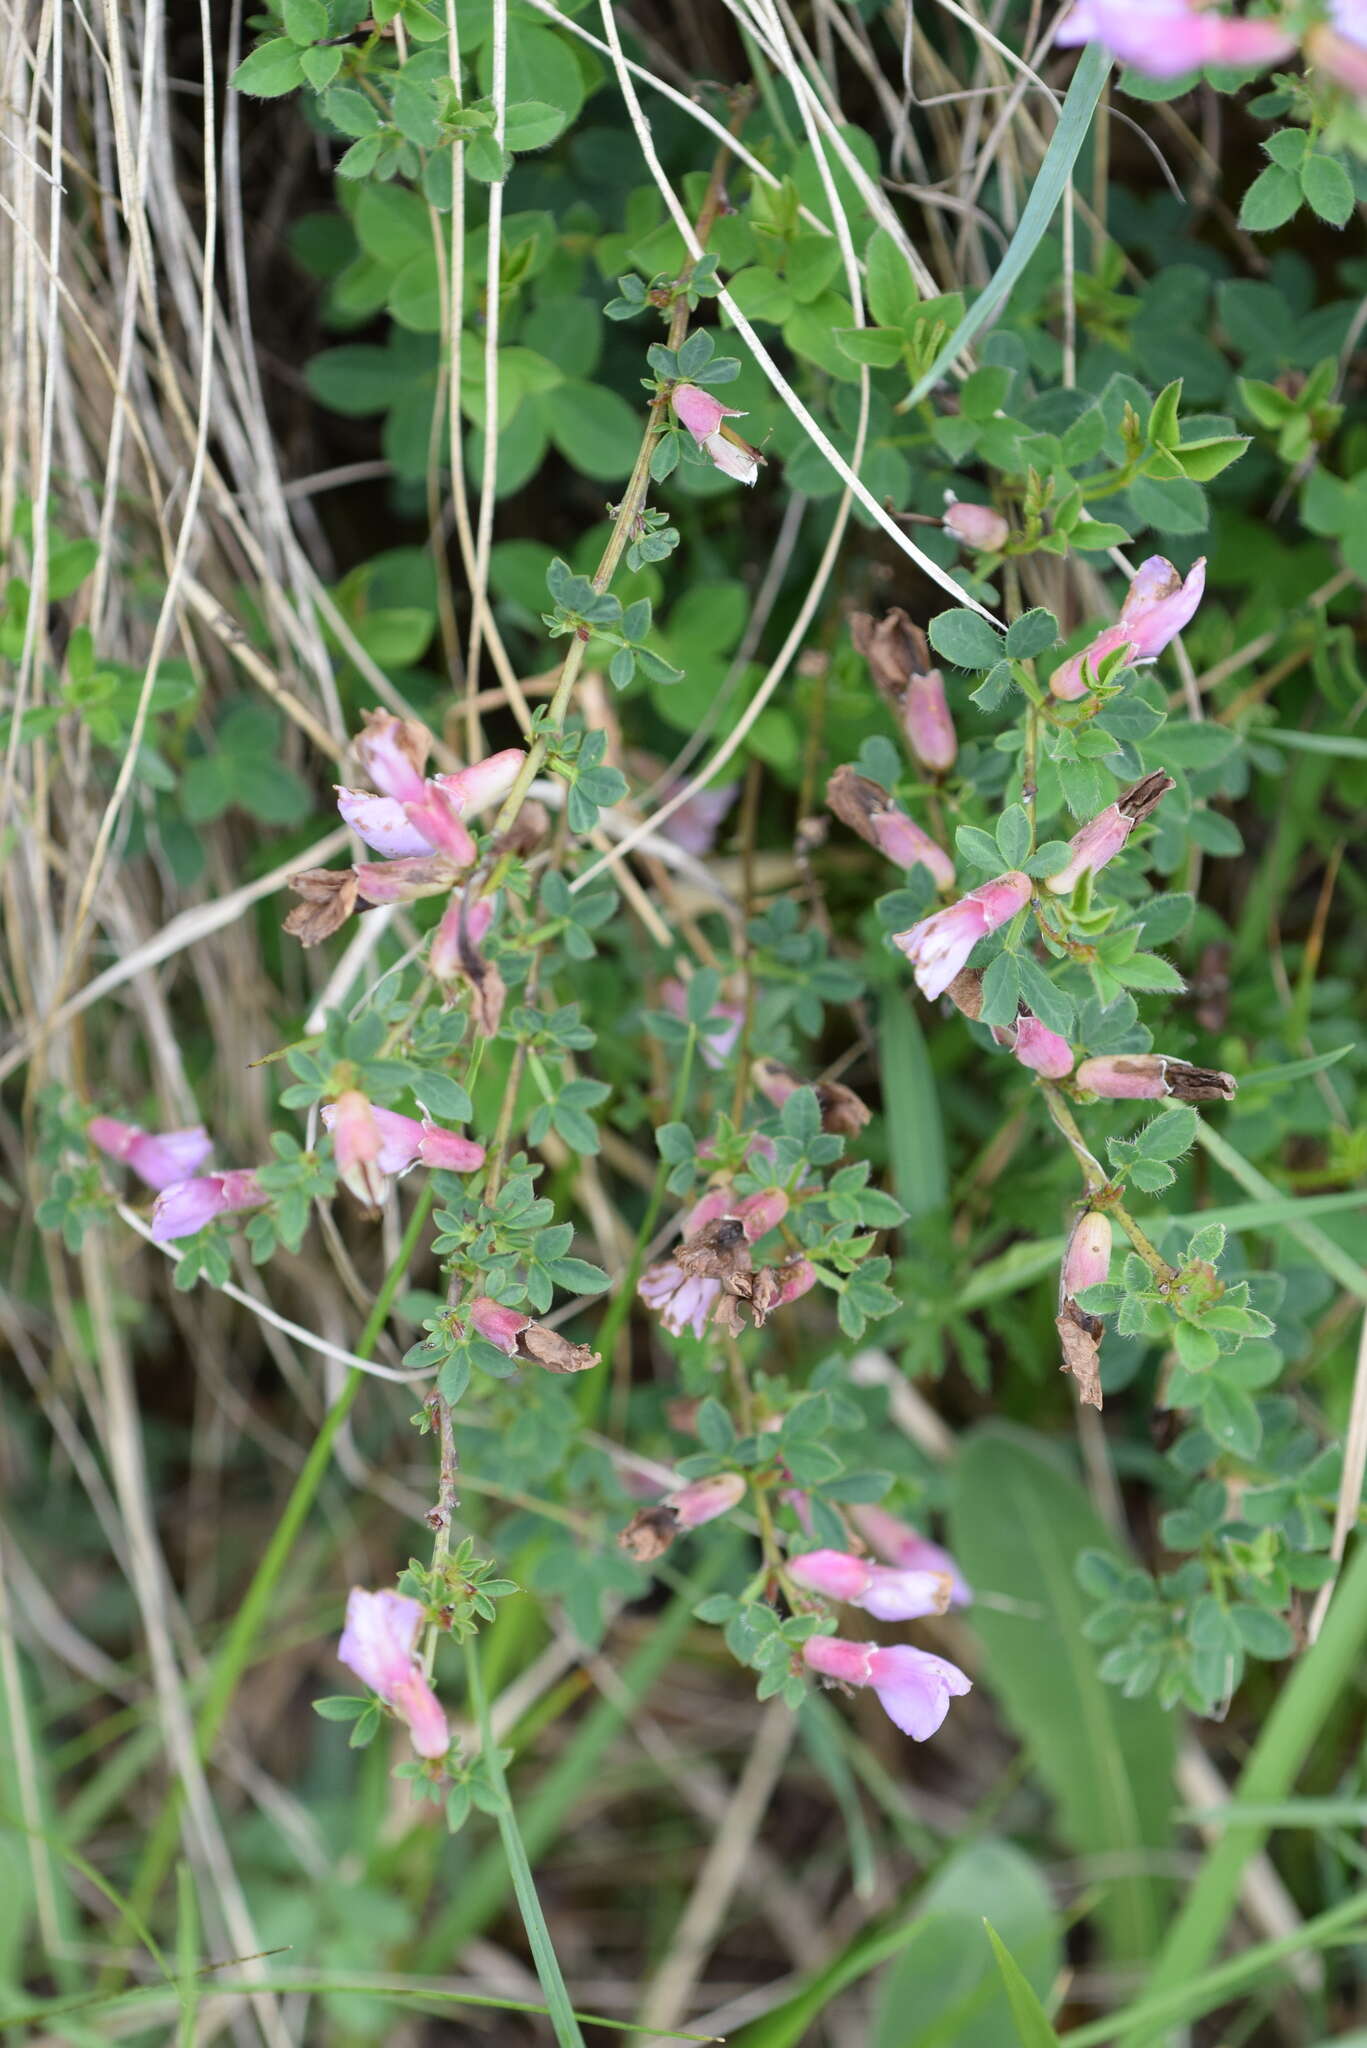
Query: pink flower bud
187, 1205
404, 880
382, 821
1041, 1049
907, 846
699, 412
379, 1643
977, 526
795, 1279
393, 752
939, 946
702, 1500
914, 1687
497, 1324
761, 1213
1164, 38
447, 1151
1101, 839
444, 955
927, 723
710, 1208
1157, 606
1147, 1076
736, 459
1070, 679
358, 1144
483, 783
161, 1158
886, 1591
1087, 1260
900, 1544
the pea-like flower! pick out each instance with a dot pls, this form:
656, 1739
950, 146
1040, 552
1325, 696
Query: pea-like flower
865, 806
1148, 1076
889, 1592
914, 1687
703, 416
1164, 38
161, 1158
897, 1542
379, 1643
1158, 604
1037, 1047
373, 1145
939, 946
187, 1205
1103, 836
517, 1336
977, 526
1338, 47
1087, 1260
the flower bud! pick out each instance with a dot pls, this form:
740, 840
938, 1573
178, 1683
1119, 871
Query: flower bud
977, 526
1158, 604
497, 1324
927, 723
939, 946
1148, 1076
867, 809
702, 1500
761, 1213
1101, 839
1040, 1049
382, 821
1087, 1260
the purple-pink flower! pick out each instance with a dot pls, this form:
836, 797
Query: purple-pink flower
683, 1301
372, 1145
939, 946
696, 823
899, 1543
161, 1158
703, 416
889, 1592
1037, 1047
1103, 836
914, 1687
187, 1205
865, 806
702, 1500
379, 1643
1164, 38
928, 725
1158, 604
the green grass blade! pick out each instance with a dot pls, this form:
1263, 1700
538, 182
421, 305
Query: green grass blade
916, 1138
1032, 2022
1335, 1261
1074, 120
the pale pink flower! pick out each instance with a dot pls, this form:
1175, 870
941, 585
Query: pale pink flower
1102, 838
696, 823
497, 1324
1158, 604
702, 415
444, 955
928, 725
483, 783
907, 846
373, 1145
889, 1592
977, 526
187, 1205
939, 946
901, 1544
393, 752
436, 815
709, 1208
160, 1158
379, 1643
683, 1301
796, 1277
1163, 38
914, 1687
761, 1213
702, 1500
382, 821
1147, 1076
1039, 1048
1087, 1261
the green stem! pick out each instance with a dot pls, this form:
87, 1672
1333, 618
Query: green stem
237, 1647
558, 2004
1287, 1738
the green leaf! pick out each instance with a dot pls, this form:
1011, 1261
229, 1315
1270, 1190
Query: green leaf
350, 111
1328, 189
1163, 429
531, 124
879, 347
1170, 1135
890, 287
911, 1105
306, 21
1013, 835
1019, 1520
1201, 460
1270, 200
1031, 634
1031, 2021
271, 70
966, 639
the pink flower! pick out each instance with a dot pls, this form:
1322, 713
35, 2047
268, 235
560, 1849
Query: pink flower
497, 1324
436, 816
683, 1301
795, 1278
889, 1592
1087, 1260
901, 1544
379, 1643
372, 1145
907, 846
761, 1213
1101, 839
444, 955
382, 821
914, 1687
715, 1047
702, 1500
928, 725
1147, 1076
1163, 38
1157, 606
939, 946
702, 415
402, 881
977, 526
696, 823
1039, 1048
483, 783
187, 1205
160, 1158
393, 752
